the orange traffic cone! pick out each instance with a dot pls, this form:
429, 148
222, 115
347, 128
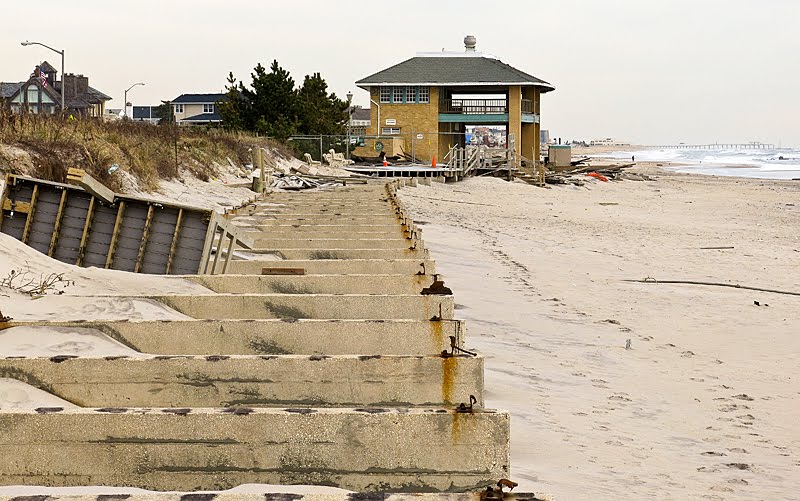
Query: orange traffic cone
385, 163
433, 162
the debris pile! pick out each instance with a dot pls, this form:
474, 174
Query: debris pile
604, 173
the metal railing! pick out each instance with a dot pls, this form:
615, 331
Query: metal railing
473, 106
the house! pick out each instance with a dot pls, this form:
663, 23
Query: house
152, 114
359, 121
430, 100
41, 94
197, 109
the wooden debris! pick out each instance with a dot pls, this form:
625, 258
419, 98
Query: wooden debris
80, 178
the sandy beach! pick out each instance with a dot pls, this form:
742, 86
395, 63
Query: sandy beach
702, 404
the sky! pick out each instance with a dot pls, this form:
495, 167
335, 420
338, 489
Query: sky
641, 71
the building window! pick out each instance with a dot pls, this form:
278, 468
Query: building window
208, 108
411, 94
424, 95
178, 108
390, 131
398, 94
386, 94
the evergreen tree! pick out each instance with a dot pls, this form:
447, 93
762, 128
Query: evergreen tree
320, 113
273, 106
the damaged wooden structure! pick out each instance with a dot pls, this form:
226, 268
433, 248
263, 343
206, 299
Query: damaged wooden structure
87, 224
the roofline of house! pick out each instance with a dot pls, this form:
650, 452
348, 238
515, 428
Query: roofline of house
366, 85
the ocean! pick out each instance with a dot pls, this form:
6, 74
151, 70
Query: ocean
780, 163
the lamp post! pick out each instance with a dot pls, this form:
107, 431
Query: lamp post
125, 113
61, 52
350, 120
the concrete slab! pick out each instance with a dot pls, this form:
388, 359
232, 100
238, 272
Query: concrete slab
417, 450
247, 493
330, 231
279, 337
316, 254
269, 241
320, 306
314, 284
261, 381
337, 266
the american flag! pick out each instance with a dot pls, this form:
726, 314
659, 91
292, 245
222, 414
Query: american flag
43, 76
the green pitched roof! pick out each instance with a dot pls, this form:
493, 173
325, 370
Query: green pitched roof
453, 70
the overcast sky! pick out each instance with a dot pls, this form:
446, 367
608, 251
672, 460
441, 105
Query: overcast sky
638, 70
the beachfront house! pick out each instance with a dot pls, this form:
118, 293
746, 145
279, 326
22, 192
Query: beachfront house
197, 109
41, 94
434, 101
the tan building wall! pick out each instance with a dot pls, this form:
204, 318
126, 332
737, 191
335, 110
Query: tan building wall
418, 124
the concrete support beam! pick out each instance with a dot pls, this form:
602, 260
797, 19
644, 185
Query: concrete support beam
338, 232
319, 306
314, 284
272, 242
261, 381
278, 337
317, 254
338, 266
420, 450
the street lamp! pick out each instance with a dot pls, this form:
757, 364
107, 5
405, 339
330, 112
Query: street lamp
125, 113
350, 121
63, 90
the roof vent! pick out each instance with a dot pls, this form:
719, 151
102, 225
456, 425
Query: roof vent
470, 42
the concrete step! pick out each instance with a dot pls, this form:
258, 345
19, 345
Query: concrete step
275, 336
261, 381
330, 231
314, 284
337, 266
332, 212
426, 450
319, 306
268, 241
327, 220
318, 254
266, 492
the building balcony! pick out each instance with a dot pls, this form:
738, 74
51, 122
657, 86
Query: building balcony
482, 111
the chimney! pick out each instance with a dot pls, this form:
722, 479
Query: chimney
69, 86
81, 85
470, 42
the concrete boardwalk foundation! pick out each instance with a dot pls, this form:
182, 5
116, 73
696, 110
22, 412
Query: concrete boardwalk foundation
261, 381
425, 450
336, 266
269, 241
314, 284
278, 337
317, 254
314, 359
321, 306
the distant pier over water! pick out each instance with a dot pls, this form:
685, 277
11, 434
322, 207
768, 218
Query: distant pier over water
718, 146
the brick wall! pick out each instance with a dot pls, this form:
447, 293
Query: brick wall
414, 120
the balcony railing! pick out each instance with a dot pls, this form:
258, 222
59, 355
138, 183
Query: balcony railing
473, 106
480, 106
